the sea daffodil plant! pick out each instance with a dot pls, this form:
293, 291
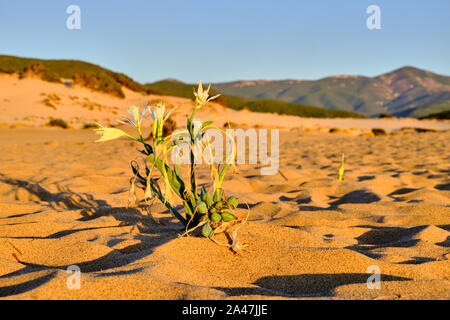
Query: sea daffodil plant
211, 211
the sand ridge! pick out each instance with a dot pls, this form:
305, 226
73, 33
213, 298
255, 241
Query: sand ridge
79, 105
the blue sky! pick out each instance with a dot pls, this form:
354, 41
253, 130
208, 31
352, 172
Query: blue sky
224, 40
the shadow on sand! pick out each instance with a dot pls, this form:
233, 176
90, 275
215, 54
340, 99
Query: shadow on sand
304, 285
150, 236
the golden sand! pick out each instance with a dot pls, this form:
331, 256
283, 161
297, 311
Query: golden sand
63, 202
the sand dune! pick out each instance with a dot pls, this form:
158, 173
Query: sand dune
63, 202
31, 102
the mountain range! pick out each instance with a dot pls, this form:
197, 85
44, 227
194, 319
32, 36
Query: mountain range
407, 91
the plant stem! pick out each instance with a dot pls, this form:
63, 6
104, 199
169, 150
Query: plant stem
168, 206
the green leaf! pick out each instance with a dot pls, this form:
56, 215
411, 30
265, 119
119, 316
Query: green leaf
205, 124
168, 206
187, 208
222, 175
148, 148
176, 182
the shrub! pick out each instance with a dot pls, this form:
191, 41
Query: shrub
58, 123
385, 116
333, 130
90, 125
378, 131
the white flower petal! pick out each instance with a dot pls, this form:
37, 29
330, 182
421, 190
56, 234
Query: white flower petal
127, 122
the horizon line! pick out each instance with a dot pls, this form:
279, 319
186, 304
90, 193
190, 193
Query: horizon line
232, 81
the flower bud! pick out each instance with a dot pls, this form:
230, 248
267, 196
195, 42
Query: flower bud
227, 216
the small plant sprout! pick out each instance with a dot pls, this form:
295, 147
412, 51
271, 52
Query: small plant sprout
341, 169
208, 211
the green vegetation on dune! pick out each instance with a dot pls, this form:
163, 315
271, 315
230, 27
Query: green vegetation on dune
281, 107
180, 89
82, 73
440, 115
171, 88
430, 109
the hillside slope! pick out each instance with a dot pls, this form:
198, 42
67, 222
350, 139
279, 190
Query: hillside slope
73, 72
401, 92
180, 89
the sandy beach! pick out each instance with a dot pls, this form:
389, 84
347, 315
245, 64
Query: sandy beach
63, 202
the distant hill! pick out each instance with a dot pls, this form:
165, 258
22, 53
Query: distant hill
407, 91
180, 89
97, 78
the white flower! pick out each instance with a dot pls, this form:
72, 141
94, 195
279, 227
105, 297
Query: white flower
202, 96
159, 112
136, 117
159, 118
